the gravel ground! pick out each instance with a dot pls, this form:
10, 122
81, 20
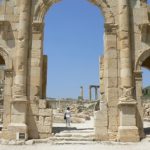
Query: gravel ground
100, 146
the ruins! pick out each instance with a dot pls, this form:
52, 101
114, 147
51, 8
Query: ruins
96, 87
127, 49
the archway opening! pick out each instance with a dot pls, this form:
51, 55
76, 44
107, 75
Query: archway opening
2, 78
146, 94
73, 42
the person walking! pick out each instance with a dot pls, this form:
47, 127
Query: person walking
67, 117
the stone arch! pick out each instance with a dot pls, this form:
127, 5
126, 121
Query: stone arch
42, 7
142, 57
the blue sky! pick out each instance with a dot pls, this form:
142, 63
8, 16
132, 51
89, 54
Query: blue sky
73, 41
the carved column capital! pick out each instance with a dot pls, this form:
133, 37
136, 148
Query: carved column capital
37, 27
138, 75
110, 28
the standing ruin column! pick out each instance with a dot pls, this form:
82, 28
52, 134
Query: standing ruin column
19, 103
127, 129
81, 92
90, 94
96, 93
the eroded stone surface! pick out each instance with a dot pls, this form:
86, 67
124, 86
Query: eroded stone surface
126, 50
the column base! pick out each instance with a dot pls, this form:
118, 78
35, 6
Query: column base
17, 131
128, 134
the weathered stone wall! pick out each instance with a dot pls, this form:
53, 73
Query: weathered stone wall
146, 106
126, 47
39, 119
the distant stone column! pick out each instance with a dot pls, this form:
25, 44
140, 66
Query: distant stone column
96, 93
127, 129
82, 92
90, 94
19, 103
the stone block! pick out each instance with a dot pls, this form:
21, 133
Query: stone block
127, 115
113, 97
36, 53
48, 121
33, 109
18, 108
111, 72
37, 44
44, 129
112, 82
128, 134
42, 104
41, 120
18, 118
112, 136
37, 36
100, 119
5, 134
45, 112
140, 15
6, 120
111, 41
101, 134
112, 63
111, 53
44, 135
101, 123
113, 128
8, 90
35, 62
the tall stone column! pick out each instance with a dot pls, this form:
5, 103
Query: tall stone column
90, 94
96, 93
19, 103
127, 129
81, 92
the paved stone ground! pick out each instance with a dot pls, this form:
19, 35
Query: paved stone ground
89, 145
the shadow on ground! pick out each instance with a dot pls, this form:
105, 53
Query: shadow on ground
147, 131
60, 129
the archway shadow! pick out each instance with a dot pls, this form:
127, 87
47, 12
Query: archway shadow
61, 129
147, 131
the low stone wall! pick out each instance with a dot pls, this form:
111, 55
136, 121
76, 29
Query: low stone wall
61, 104
146, 107
40, 119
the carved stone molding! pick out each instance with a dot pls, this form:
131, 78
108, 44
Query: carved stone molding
110, 28
37, 27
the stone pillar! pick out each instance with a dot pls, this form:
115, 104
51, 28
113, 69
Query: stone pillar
139, 94
96, 93
90, 94
19, 103
81, 92
127, 129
